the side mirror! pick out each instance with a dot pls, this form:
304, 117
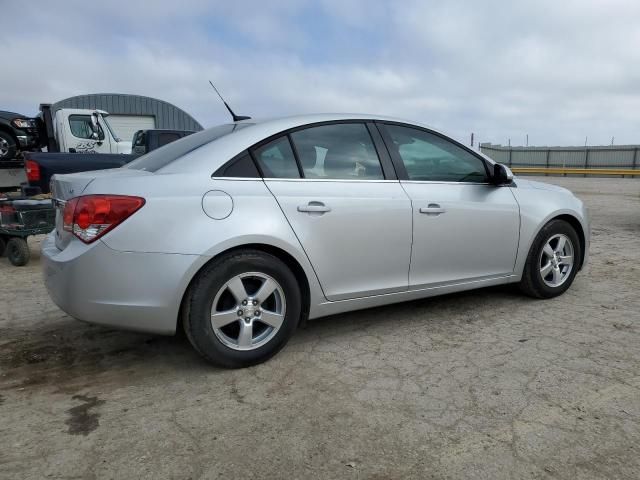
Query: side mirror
502, 175
94, 135
94, 121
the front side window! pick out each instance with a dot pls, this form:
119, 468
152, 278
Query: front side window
81, 127
429, 157
276, 159
338, 151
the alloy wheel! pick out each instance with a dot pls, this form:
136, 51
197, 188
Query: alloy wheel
248, 311
4, 148
556, 260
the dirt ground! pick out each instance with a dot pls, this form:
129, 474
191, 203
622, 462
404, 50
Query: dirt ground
485, 384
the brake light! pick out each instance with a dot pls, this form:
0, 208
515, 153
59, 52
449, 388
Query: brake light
33, 170
91, 216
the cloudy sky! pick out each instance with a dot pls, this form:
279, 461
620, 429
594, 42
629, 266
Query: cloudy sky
558, 71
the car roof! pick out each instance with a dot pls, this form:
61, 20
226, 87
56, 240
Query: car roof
301, 120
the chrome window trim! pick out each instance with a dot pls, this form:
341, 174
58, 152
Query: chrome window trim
244, 179
324, 180
444, 182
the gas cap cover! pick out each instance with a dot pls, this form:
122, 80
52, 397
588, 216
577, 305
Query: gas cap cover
217, 204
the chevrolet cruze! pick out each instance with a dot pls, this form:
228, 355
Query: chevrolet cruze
240, 233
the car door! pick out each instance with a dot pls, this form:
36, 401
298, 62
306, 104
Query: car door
464, 228
81, 138
349, 212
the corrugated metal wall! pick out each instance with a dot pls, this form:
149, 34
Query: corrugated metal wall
616, 156
167, 115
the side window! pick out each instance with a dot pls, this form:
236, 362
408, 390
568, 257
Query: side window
165, 138
429, 157
338, 151
276, 159
80, 126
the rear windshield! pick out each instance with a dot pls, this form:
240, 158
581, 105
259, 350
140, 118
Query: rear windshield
163, 156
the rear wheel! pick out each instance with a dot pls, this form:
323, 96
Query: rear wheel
553, 261
8, 147
242, 309
17, 251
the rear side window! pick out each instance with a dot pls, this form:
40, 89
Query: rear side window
276, 159
338, 151
163, 156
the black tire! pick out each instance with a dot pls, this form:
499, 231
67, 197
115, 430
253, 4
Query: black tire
3, 246
17, 251
532, 282
8, 147
196, 314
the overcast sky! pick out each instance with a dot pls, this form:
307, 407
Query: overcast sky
557, 70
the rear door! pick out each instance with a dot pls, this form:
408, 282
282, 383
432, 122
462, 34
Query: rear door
348, 210
464, 228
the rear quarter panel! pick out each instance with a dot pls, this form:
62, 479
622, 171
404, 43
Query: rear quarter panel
173, 220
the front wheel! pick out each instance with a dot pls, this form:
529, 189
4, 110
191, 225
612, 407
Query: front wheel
242, 309
8, 147
553, 261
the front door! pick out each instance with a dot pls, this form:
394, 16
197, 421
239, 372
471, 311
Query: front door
353, 223
81, 139
464, 228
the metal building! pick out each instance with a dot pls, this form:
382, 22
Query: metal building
129, 113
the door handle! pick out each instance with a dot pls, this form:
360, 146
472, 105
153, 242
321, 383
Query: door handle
314, 207
432, 209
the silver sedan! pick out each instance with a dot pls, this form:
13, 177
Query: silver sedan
240, 233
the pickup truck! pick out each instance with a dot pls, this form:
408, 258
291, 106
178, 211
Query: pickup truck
17, 133
40, 166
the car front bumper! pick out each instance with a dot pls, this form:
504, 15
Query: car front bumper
127, 290
28, 140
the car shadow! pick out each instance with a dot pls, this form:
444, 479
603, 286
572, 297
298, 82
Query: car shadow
73, 355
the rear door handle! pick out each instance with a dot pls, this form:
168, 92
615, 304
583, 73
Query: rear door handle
432, 209
314, 207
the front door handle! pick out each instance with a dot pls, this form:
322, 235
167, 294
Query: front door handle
314, 207
432, 209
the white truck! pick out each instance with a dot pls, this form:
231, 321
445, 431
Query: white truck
85, 131
67, 130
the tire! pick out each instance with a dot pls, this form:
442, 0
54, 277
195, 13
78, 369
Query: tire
544, 277
3, 246
8, 147
254, 333
17, 251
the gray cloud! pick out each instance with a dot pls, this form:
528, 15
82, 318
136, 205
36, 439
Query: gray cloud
558, 71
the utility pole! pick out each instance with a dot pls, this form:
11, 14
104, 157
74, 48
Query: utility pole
527, 139
612, 141
472, 139
509, 142
585, 141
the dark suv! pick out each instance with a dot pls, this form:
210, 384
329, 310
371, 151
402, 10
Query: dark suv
17, 133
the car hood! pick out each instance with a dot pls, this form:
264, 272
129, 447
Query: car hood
522, 183
11, 115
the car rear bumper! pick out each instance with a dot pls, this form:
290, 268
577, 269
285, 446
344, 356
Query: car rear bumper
128, 290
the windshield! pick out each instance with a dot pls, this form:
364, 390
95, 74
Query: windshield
163, 156
113, 134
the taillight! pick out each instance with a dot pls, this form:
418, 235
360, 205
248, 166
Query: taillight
91, 216
33, 170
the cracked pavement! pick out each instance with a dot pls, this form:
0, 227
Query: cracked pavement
483, 384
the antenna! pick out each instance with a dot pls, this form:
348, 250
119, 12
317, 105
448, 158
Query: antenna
236, 118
